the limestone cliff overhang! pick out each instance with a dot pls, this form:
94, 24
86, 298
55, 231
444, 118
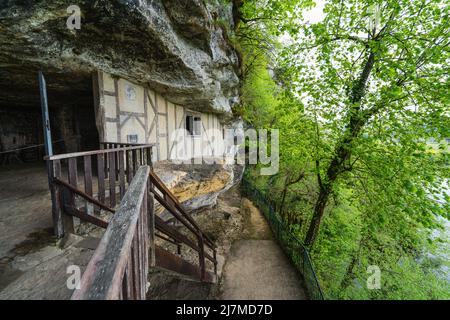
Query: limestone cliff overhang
178, 48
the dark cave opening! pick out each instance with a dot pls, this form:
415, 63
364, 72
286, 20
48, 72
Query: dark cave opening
71, 112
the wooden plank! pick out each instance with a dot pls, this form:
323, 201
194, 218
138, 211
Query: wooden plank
112, 180
129, 166
135, 161
121, 174
67, 199
144, 233
123, 292
158, 152
135, 255
146, 137
129, 278
151, 228
116, 89
141, 244
73, 181
146, 239
87, 175
109, 93
95, 152
84, 195
104, 274
162, 187
167, 130
170, 261
148, 155
73, 174
201, 257
99, 112
85, 217
132, 113
54, 171
141, 156
101, 178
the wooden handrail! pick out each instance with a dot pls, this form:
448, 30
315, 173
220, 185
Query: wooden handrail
172, 204
177, 216
83, 195
95, 152
109, 272
85, 217
166, 239
162, 187
166, 229
173, 233
125, 143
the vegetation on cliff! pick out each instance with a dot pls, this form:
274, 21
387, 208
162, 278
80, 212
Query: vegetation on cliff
357, 97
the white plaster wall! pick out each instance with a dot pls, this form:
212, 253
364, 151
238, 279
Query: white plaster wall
126, 109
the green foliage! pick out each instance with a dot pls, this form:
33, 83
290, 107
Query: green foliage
384, 201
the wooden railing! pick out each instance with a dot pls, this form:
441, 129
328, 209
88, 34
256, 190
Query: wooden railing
104, 177
202, 243
124, 176
115, 145
120, 264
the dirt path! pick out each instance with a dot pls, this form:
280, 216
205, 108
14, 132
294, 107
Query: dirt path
256, 267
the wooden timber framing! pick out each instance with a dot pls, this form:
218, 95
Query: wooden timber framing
155, 122
151, 116
118, 123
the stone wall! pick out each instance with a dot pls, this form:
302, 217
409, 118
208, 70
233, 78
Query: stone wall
19, 128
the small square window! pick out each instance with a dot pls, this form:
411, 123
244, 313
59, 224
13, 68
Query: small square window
194, 125
132, 138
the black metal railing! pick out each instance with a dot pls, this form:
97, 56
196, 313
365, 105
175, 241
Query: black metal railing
292, 246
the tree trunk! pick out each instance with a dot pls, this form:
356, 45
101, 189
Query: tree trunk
357, 120
317, 217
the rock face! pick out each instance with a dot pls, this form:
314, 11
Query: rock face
197, 186
179, 48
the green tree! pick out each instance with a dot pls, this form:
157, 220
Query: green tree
357, 98
376, 77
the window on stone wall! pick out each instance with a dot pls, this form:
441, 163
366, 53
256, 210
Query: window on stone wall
194, 125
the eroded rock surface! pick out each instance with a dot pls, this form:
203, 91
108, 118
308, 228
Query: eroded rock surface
179, 48
197, 186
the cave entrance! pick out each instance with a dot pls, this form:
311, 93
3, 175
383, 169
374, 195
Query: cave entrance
71, 111
25, 205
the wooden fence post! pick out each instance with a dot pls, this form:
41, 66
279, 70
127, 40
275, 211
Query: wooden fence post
151, 228
54, 171
201, 256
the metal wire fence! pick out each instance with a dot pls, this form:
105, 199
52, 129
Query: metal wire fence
291, 245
